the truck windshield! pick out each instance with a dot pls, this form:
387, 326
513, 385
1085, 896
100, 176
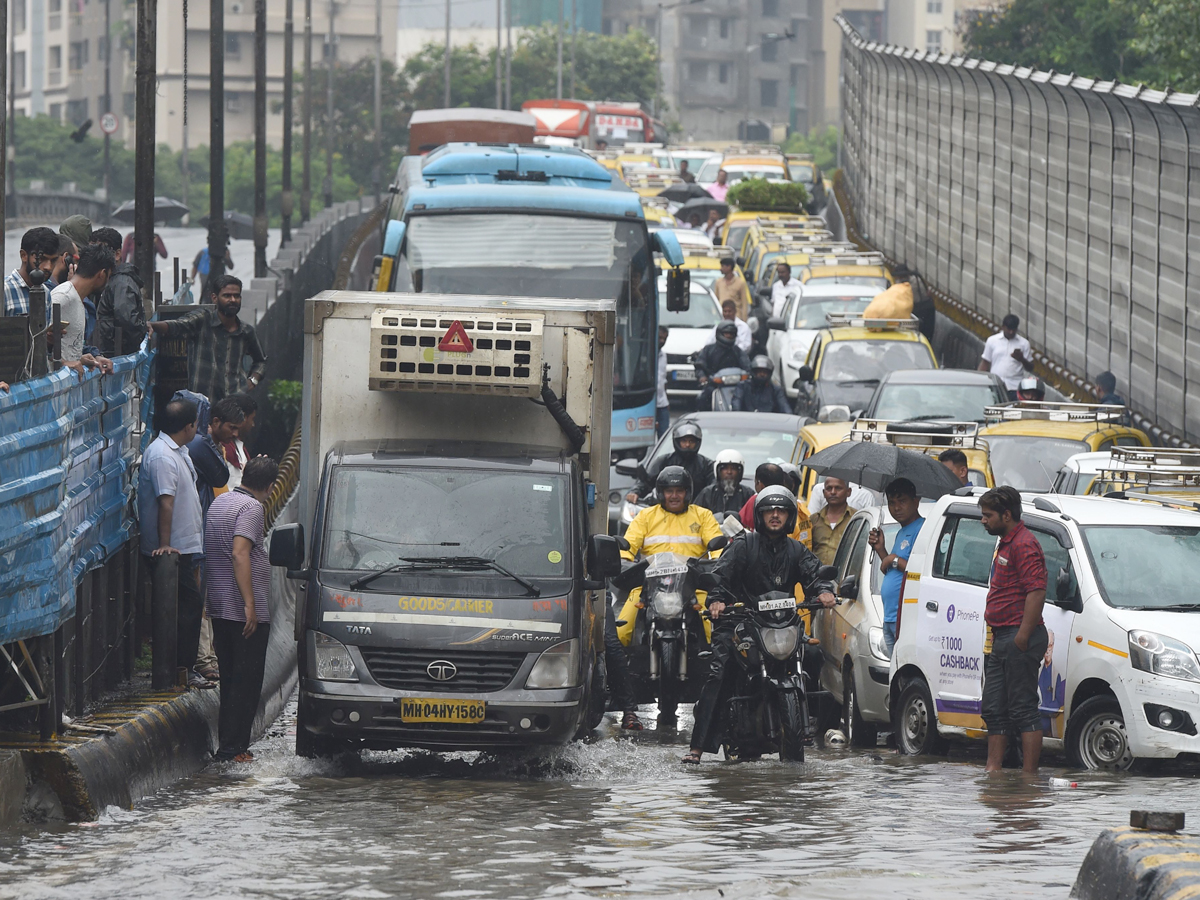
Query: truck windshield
378, 515
1148, 566
530, 255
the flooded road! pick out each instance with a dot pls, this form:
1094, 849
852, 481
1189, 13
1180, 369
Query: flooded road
615, 818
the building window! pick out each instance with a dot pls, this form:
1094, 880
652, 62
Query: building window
54, 15
101, 49
77, 111
933, 41
606, 26
18, 70
697, 71
233, 45
770, 9
18, 16
933, 6
233, 102
723, 73
768, 89
698, 26
650, 25
726, 28
78, 55
54, 65
56, 111
769, 50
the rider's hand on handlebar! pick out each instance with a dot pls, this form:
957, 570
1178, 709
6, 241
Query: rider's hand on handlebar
631, 497
714, 609
827, 600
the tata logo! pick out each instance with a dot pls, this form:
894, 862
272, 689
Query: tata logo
950, 613
441, 670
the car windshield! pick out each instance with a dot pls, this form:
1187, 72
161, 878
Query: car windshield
953, 402
528, 255
708, 171
802, 173
702, 312
695, 161
756, 446
703, 277
871, 360
1152, 566
811, 313
1029, 463
378, 515
856, 280
770, 173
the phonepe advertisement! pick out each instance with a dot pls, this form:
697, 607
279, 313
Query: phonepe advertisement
953, 643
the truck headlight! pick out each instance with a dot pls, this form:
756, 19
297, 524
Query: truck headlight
333, 659
557, 667
781, 642
1161, 655
668, 604
878, 647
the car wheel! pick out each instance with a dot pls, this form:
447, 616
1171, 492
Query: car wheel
1096, 737
915, 721
859, 732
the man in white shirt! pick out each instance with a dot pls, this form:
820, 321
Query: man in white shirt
783, 286
662, 403
1008, 355
745, 337
91, 275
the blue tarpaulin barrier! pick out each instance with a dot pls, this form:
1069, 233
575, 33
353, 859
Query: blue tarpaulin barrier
68, 450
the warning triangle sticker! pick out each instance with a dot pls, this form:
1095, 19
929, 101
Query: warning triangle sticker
455, 340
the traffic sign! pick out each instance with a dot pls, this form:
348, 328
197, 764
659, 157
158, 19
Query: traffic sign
109, 123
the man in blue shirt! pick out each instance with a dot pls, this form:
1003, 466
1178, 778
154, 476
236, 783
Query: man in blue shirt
903, 505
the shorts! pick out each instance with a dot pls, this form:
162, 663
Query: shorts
1010, 682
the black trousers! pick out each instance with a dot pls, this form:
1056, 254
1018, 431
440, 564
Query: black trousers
242, 662
616, 665
710, 693
190, 608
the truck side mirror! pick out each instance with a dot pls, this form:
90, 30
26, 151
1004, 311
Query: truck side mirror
287, 546
849, 587
1066, 592
603, 557
679, 290
805, 375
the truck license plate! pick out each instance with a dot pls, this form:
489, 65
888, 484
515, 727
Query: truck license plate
429, 709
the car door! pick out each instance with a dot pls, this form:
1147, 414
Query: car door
1052, 679
950, 627
829, 625
851, 614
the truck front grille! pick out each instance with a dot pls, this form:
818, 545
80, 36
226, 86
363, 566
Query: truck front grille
408, 670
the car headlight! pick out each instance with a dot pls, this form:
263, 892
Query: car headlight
668, 604
629, 512
333, 659
557, 667
875, 641
781, 642
1161, 655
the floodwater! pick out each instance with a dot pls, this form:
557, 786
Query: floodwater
617, 817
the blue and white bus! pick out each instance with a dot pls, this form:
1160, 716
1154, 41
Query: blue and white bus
530, 221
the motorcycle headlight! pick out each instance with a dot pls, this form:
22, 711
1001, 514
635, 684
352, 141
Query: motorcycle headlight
333, 662
668, 604
875, 642
1161, 655
781, 642
557, 667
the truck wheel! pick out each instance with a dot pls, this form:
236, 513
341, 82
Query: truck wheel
859, 732
916, 721
791, 726
314, 746
1096, 737
597, 701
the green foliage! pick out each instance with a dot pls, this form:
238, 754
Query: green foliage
822, 143
1168, 34
285, 397
760, 195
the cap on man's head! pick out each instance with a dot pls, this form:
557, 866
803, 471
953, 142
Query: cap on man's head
78, 229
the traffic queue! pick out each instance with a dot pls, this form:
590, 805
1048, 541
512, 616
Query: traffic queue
989, 562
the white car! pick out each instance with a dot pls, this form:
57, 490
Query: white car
689, 332
773, 172
1121, 679
691, 237
1079, 471
803, 317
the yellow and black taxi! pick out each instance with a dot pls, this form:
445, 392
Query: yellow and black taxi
1030, 441
739, 221
849, 357
802, 169
814, 437
762, 229
851, 269
932, 439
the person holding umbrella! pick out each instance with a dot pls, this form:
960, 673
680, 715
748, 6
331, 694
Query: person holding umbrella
903, 504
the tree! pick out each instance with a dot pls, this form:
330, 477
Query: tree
820, 142
1168, 33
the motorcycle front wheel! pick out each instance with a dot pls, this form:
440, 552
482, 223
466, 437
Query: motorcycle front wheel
668, 674
791, 726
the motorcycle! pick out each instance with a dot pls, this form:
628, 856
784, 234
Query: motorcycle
765, 701
725, 382
669, 638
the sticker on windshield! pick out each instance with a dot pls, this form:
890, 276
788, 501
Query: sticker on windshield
554, 556
543, 487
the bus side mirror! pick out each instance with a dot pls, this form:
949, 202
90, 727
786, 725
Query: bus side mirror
679, 290
393, 237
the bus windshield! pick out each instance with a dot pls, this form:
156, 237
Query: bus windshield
534, 255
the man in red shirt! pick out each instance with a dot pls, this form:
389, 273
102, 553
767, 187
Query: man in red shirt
1016, 594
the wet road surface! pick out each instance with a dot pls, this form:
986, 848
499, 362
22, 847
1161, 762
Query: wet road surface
614, 818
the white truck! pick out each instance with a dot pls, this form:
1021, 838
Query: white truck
453, 449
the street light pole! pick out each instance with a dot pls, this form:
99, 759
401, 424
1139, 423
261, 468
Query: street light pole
146, 70
574, 28
499, 50
108, 97
306, 139
508, 55
216, 145
378, 102
260, 138
446, 62
558, 68
286, 202
331, 57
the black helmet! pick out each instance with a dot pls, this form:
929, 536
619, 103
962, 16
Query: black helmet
727, 332
762, 362
687, 429
673, 476
775, 497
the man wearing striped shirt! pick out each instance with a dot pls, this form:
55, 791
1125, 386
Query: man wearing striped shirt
238, 576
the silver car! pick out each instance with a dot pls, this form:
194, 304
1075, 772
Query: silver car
851, 634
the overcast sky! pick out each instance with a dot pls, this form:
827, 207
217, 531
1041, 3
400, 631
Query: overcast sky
432, 14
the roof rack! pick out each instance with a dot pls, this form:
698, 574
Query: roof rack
709, 252
1171, 502
1160, 458
814, 250
856, 320
799, 157
807, 236
797, 219
1046, 410
934, 435
852, 259
1158, 467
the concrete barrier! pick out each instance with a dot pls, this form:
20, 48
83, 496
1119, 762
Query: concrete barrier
1134, 864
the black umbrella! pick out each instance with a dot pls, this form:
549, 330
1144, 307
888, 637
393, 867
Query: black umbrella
239, 226
682, 193
702, 206
875, 466
165, 210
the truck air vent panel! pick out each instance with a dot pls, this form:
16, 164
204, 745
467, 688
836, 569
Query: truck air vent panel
412, 351
476, 671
